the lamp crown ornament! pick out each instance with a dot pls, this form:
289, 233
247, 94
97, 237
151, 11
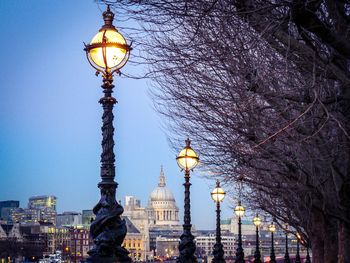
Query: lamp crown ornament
188, 142
108, 17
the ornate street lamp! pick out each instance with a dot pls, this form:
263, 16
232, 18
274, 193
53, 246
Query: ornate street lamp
108, 52
297, 256
218, 195
187, 160
272, 229
239, 210
257, 255
286, 254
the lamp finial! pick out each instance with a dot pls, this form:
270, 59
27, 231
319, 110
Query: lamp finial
108, 17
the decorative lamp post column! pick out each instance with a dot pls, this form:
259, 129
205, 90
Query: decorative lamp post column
108, 52
308, 260
239, 210
257, 255
272, 229
286, 254
218, 195
297, 256
187, 160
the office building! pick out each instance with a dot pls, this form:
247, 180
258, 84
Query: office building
6, 208
69, 219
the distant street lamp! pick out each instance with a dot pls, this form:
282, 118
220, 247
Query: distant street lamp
218, 195
108, 52
239, 210
257, 255
272, 229
187, 160
297, 256
286, 254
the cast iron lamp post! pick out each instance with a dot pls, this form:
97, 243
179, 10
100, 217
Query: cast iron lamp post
297, 256
272, 229
187, 160
239, 210
257, 255
108, 52
286, 254
218, 195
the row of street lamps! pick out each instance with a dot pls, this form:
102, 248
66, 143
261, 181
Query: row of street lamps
108, 52
218, 195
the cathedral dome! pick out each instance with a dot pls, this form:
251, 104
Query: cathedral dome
161, 192
162, 209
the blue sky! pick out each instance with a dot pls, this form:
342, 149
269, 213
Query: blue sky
50, 117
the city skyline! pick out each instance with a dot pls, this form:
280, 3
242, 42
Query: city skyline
50, 117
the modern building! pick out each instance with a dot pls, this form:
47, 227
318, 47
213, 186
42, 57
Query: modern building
206, 240
40, 209
42, 202
69, 219
231, 225
6, 208
20, 215
87, 217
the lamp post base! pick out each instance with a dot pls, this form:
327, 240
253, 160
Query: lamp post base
218, 254
108, 230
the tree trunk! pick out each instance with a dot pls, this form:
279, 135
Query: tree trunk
317, 237
344, 242
330, 241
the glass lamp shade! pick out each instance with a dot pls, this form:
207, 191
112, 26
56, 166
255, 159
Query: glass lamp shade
239, 210
257, 221
218, 194
272, 227
108, 50
298, 236
187, 158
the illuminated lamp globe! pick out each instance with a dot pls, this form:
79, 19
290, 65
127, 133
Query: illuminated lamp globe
298, 236
257, 221
272, 227
239, 210
108, 50
187, 158
218, 194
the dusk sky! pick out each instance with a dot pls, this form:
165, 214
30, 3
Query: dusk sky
50, 117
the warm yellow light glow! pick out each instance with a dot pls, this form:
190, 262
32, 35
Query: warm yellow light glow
218, 194
272, 227
298, 236
187, 159
112, 52
257, 221
239, 210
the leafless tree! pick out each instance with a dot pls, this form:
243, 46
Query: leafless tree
263, 88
